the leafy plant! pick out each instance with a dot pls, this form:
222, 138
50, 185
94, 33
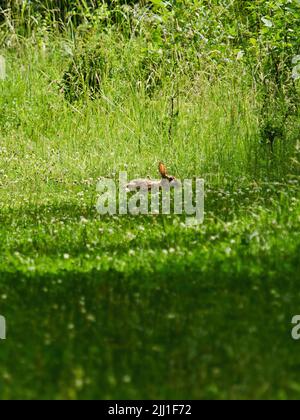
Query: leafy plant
269, 34
86, 71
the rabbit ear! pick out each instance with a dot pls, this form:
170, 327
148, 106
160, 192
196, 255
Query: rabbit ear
162, 170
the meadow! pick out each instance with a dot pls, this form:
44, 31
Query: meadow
146, 307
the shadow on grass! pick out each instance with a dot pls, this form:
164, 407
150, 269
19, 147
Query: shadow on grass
174, 333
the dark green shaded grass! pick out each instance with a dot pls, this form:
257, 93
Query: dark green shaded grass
177, 333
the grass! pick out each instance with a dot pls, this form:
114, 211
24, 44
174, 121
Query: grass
143, 307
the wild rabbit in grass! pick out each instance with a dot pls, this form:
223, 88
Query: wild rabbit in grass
148, 184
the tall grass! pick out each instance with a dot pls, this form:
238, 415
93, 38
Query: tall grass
215, 132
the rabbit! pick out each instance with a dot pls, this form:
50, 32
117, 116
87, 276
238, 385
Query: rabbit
148, 184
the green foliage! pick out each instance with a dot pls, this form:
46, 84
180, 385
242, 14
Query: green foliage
86, 71
269, 33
